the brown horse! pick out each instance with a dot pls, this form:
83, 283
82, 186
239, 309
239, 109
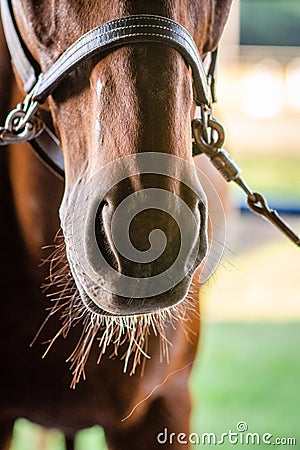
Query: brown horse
134, 100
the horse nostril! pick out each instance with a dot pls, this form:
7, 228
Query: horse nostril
139, 246
103, 233
103, 203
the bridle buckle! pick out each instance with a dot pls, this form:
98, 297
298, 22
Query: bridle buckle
22, 123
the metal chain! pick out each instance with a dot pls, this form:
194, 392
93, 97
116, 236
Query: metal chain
22, 123
209, 137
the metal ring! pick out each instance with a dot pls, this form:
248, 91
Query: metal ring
217, 142
14, 115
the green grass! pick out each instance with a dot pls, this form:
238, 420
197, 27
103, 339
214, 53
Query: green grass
248, 372
245, 372
274, 175
266, 22
29, 436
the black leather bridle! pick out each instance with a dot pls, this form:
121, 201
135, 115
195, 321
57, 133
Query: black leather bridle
28, 123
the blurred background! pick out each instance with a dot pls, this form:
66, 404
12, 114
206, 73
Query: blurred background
249, 361
248, 368
258, 88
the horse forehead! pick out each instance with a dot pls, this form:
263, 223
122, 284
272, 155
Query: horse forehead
48, 28
56, 25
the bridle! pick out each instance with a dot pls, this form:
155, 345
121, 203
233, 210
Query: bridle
27, 122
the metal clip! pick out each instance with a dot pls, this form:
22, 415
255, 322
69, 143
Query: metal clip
218, 156
209, 135
231, 172
259, 205
22, 123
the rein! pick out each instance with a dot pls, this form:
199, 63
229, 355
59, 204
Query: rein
28, 123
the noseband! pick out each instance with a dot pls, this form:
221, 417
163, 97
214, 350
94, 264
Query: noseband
28, 123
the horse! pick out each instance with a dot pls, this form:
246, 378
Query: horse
112, 113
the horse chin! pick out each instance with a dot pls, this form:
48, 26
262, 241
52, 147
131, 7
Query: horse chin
107, 304
102, 302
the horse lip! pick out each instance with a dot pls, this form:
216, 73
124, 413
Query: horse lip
114, 305
102, 299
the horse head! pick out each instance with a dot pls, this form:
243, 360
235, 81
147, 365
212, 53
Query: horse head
133, 237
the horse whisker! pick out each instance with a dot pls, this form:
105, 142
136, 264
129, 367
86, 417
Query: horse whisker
111, 332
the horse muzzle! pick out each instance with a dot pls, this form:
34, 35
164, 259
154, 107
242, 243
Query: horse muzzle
135, 233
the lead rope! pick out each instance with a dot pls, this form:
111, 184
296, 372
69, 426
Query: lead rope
209, 137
